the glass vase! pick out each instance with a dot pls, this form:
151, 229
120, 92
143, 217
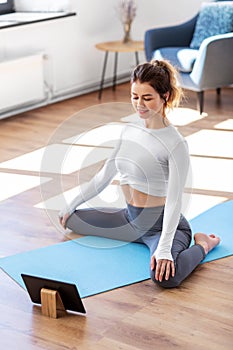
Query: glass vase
127, 30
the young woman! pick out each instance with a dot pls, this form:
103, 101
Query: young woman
152, 160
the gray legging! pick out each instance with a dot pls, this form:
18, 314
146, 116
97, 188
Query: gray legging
141, 225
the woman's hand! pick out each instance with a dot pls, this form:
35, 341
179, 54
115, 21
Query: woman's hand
164, 268
63, 220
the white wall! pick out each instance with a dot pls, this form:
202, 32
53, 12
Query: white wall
73, 64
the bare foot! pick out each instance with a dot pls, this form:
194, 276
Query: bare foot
208, 242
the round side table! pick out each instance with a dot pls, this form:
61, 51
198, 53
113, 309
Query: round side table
117, 47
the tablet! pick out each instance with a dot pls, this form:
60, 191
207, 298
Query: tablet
68, 292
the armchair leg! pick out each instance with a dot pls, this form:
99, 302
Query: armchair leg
200, 98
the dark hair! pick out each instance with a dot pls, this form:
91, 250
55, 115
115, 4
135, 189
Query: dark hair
162, 76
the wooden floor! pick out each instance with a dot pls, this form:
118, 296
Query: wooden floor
197, 315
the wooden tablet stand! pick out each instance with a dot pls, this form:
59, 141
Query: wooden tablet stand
55, 297
51, 303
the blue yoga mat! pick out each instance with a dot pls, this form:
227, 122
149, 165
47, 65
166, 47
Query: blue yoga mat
98, 264
94, 264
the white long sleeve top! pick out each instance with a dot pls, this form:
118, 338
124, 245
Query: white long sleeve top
153, 161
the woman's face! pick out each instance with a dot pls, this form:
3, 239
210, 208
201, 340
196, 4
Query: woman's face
145, 100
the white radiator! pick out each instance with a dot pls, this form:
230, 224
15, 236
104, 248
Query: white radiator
21, 81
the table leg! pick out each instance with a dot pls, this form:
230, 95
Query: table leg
103, 74
115, 72
136, 56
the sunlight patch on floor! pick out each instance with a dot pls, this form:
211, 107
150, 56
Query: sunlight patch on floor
111, 196
184, 116
227, 124
212, 174
105, 135
214, 143
196, 204
58, 158
178, 117
85, 149
13, 184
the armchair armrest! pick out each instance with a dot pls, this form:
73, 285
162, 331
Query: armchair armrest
178, 35
213, 66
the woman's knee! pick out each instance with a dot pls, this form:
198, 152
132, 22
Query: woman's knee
172, 282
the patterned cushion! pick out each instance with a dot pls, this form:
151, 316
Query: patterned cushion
214, 18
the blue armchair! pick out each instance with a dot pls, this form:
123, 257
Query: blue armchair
202, 57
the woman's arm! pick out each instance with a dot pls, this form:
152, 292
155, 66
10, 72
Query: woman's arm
178, 169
